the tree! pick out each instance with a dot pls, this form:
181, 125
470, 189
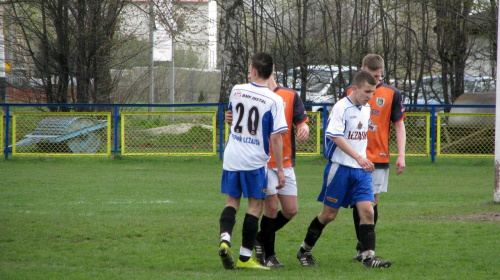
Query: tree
68, 42
234, 64
452, 47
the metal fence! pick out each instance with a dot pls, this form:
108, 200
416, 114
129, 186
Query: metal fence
60, 134
168, 133
199, 129
418, 134
465, 134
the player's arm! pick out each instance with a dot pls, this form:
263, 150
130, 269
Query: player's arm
397, 117
302, 132
277, 144
229, 116
342, 144
399, 128
300, 119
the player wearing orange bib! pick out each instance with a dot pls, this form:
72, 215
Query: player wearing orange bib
273, 220
386, 107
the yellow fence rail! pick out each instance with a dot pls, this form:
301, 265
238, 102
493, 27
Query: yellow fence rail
169, 133
61, 134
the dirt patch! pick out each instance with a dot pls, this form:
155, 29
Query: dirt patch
487, 217
175, 128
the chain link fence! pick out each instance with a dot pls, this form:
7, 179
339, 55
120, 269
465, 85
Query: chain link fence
465, 134
59, 134
168, 133
312, 146
417, 126
198, 133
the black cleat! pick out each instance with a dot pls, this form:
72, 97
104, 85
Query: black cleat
358, 257
376, 263
273, 262
306, 259
260, 255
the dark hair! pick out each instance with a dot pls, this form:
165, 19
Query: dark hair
263, 63
363, 77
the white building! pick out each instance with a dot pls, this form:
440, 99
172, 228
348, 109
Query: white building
193, 22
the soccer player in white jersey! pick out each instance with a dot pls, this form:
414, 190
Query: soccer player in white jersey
347, 179
258, 121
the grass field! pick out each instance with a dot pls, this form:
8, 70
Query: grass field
157, 218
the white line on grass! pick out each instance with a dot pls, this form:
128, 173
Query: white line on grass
139, 202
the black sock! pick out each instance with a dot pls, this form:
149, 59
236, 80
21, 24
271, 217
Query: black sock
313, 232
280, 221
249, 232
277, 223
367, 237
227, 220
243, 258
266, 234
357, 220
375, 214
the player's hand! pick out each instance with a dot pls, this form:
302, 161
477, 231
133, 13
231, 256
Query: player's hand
302, 132
229, 116
367, 165
400, 165
281, 178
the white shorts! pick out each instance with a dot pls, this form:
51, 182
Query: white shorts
290, 187
380, 179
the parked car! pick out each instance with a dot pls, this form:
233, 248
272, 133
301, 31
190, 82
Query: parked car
431, 90
324, 84
483, 85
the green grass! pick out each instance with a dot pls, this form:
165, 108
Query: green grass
157, 218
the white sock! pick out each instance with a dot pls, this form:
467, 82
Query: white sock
245, 252
306, 247
225, 237
368, 254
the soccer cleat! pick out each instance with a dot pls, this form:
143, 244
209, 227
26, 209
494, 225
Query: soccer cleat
225, 256
358, 257
260, 255
376, 263
273, 261
250, 264
306, 259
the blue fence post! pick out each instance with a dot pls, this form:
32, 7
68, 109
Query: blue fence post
116, 117
6, 142
433, 133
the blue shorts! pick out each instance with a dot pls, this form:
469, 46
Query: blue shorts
344, 186
251, 183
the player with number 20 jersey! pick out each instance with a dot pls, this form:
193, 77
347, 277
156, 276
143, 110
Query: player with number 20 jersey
257, 113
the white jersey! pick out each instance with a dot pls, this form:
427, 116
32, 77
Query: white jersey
257, 113
351, 122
